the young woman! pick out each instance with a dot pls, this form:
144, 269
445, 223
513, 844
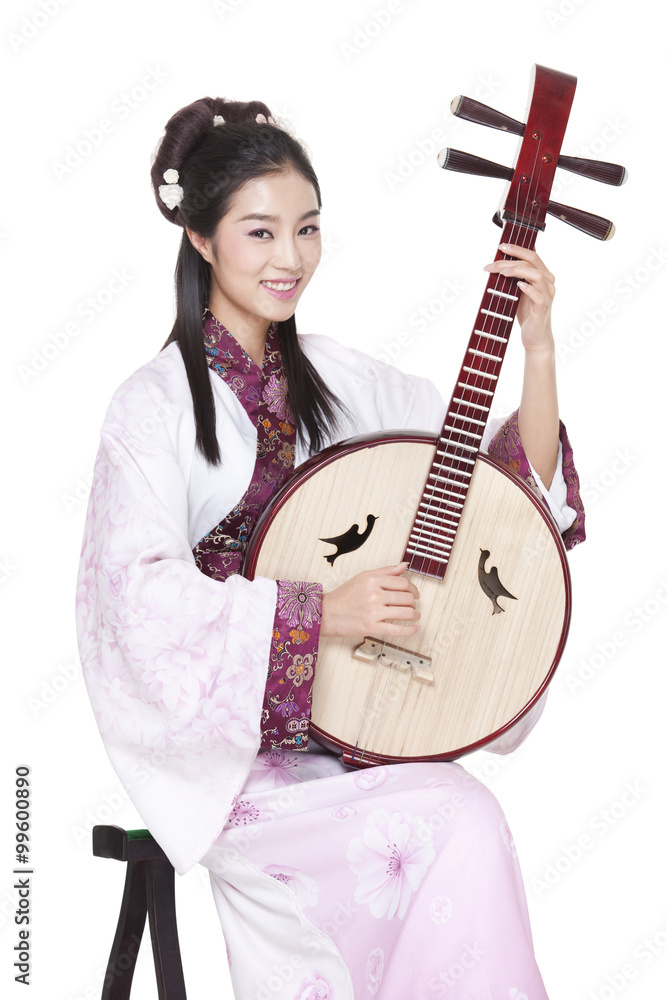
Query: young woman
331, 882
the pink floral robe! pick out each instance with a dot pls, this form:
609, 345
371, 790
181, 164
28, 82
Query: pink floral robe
393, 882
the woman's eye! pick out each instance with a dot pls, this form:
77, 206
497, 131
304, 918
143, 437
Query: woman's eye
313, 229
256, 232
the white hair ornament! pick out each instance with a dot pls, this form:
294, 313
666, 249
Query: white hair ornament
171, 193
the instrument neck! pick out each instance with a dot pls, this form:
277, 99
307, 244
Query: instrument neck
441, 505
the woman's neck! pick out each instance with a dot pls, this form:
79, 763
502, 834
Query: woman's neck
249, 334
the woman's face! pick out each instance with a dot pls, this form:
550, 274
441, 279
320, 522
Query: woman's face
264, 252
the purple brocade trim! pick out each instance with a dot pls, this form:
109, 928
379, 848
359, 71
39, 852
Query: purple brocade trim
263, 393
506, 447
288, 694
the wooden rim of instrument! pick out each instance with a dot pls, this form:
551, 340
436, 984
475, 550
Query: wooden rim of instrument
324, 458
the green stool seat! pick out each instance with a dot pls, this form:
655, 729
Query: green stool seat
149, 889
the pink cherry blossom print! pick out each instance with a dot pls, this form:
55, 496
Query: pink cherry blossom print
391, 860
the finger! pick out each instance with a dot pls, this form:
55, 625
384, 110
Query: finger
399, 599
520, 269
394, 570
523, 253
399, 584
405, 614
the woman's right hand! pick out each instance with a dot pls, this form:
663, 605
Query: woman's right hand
367, 602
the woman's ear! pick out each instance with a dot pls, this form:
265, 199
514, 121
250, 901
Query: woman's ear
201, 244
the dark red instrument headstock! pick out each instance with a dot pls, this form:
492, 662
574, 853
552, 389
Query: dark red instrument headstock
531, 179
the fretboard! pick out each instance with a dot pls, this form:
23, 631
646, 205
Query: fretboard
441, 506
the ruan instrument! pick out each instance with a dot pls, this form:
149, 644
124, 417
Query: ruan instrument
482, 548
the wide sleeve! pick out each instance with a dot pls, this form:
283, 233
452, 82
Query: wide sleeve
175, 663
563, 497
563, 500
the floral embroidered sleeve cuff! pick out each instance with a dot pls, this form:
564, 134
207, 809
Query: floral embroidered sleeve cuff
295, 640
563, 496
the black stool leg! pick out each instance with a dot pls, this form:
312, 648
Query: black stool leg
164, 933
129, 931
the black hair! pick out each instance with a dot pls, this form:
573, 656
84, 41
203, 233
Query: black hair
213, 162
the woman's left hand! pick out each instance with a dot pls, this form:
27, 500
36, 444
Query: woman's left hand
537, 287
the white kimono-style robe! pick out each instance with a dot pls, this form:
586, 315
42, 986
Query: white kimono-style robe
176, 665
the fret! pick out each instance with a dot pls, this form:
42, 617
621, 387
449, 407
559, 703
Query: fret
454, 472
434, 548
487, 312
459, 430
453, 503
415, 536
413, 552
443, 489
475, 406
504, 295
491, 336
474, 371
440, 489
457, 444
481, 354
437, 542
468, 420
475, 388
431, 519
452, 482
459, 458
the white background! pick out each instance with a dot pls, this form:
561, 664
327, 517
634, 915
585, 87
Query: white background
365, 98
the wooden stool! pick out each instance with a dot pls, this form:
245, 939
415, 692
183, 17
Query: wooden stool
149, 888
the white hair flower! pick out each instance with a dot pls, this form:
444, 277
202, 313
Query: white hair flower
171, 193
218, 120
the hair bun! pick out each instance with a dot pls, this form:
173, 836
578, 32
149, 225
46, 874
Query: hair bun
185, 128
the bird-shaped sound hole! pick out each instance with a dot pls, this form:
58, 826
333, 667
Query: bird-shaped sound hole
490, 583
350, 540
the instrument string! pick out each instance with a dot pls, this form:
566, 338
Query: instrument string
460, 467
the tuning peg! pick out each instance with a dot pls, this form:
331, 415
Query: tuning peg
482, 114
593, 225
597, 170
466, 163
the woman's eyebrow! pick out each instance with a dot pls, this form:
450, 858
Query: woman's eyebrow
274, 218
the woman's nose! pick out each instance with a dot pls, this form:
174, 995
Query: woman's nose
287, 255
